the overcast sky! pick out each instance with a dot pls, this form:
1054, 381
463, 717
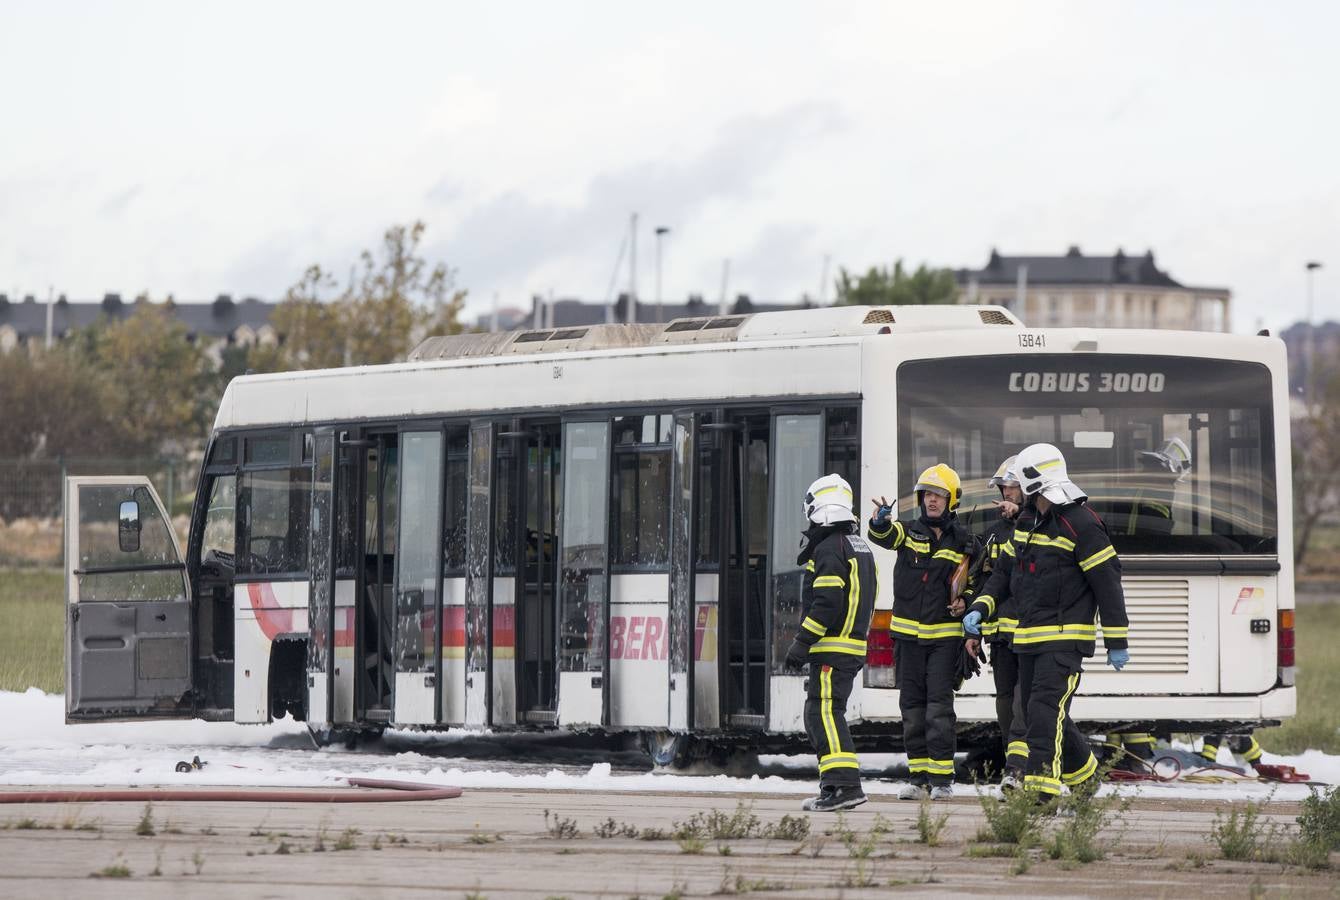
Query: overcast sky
198, 149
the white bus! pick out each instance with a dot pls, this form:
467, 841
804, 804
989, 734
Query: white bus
596, 528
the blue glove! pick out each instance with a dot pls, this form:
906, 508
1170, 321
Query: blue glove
972, 623
883, 514
1118, 658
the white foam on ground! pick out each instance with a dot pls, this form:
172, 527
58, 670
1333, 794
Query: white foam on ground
38, 748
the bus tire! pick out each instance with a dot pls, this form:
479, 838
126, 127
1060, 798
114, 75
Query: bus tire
669, 750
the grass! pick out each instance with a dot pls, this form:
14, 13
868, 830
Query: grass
31, 642
1317, 724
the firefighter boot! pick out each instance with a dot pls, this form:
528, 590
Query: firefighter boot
834, 798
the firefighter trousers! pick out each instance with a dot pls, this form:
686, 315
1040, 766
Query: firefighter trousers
925, 674
826, 693
1009, 705
1058, 753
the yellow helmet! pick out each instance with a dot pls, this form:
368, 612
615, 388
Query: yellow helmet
943, 480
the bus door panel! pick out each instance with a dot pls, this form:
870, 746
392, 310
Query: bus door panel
321, 611
479, 581
639, 667
1248, 619
525, 624
706, 710
418, 602
797, 460
128, 608
680, 617
583, 613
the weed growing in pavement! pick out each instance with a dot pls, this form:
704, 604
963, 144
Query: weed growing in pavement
208, 830
654, 834
322, 832
30, 824
117, 869
259, 830
1021, 864
1082, 816
158, 864
723, 850
991, 851
346, 839
1241, 835
198, 860
1015, 820
612, 829
560, 828
1318, 829
929, 825
734, 883
691, 844
284, 849
146, 826
476, 837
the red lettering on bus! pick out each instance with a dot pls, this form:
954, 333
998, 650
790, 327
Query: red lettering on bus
634, 637
616, 636
653, 646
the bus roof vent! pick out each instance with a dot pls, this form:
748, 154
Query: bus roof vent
994, 317
701, 329
860, 321
879, 316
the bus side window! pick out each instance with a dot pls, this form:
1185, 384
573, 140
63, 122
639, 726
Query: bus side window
842, 444
641, 538
274, 510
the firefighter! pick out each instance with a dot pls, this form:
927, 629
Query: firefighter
1063, 570
932, 550
999, 631
838, 596
1246, 751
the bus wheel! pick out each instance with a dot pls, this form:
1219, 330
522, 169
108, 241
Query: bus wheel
668, 750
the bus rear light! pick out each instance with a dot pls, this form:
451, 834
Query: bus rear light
879, 650
1285, 656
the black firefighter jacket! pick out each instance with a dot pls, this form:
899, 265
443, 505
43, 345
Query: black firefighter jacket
1001, 628
1061, 569
837, 599
921, 576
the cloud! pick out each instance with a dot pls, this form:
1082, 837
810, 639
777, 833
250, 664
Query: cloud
505, 241
115, 206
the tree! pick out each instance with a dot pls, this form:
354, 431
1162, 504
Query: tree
884, 287
393, 300
1316, 464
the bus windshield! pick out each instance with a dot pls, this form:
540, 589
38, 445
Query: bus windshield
1176, 454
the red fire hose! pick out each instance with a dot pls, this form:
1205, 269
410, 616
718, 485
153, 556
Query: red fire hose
379, 792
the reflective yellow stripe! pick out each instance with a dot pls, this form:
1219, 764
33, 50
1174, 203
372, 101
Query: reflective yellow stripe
1071, 683
1136, 738
839, 764
1041, 540
829, 490
894, 525
1049, 464
1008, 548
1082, 773
1253, 752
989, 628
1098, 558
849, 646
853, 599
1041, 633
827, 581
813, 627
809, 566
917, 765
919, 546
990, 604
1114, 631
826, 709
951, 555
1008, 625
1042, 784
1017, 748
939, 766
913, 628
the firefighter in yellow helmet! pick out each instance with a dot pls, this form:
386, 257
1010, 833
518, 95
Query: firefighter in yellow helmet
931, 550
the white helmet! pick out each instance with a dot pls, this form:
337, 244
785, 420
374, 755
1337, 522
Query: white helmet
1174, 455
829, 500
1042, 469
1006, 474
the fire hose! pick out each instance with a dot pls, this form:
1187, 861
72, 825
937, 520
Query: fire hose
377, 791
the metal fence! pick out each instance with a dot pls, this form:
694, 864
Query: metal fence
30, 499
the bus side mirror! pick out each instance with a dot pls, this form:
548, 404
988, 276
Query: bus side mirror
128, 526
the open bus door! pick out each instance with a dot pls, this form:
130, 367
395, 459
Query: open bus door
683, 570
321, 596
128, 608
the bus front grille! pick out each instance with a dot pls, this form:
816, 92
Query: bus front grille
1159, 610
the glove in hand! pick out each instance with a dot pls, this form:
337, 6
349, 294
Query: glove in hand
1118, 658
797, 656
972, 623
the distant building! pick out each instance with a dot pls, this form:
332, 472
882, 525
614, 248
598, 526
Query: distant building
572, 313
1325, 350
1117, 291
221, 323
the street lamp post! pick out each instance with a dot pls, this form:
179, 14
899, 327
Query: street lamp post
661, 232
1309, 388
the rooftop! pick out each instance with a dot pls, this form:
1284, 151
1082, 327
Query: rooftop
1073, 268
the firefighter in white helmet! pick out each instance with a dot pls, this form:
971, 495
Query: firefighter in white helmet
932, 550
838, 598
1063, 570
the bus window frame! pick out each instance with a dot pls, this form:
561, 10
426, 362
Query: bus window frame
634, 449
297, 440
